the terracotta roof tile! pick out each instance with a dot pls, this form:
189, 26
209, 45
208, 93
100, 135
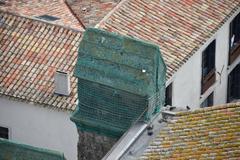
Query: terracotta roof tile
34, 8
91, 12
211, 133
31, 52
178, 27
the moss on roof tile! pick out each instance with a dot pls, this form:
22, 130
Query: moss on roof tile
212, 133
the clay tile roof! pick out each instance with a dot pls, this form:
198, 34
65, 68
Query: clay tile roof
179, 27
34, 8
91, 12
211, 133
30, 53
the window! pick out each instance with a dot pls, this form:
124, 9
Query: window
208, 66
234, 84
234, 41
2, 2
208, 101
168, 96
48, 17
4, 132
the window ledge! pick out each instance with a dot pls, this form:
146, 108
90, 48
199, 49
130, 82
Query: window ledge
207, 93
234, 54
233, 65
234, 101
209, 76
208, 81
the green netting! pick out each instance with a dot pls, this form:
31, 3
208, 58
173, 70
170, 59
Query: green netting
120, 80
10, 150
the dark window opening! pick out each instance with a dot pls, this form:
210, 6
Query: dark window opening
2, 2
208, 101
234, 84
4, 132
208, 66
234, 41
235, 32
168, 96
48, 17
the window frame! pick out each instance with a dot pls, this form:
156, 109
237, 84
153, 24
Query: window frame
2, 3
230, 97
169, 91
209, 78
8, 132
209, 97
234, 52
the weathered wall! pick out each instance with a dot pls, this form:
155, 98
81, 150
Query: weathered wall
92, 146
41, 127
187, 81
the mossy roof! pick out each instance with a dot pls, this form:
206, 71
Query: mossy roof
210, 133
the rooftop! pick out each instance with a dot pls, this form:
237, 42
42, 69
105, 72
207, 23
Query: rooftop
31, 52
35, 8
178, 27
211, 133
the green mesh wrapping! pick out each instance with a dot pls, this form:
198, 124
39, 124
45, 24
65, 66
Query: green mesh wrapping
120, 80
10, 150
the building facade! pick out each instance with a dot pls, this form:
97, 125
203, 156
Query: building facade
187, 84
34, 109
37, 126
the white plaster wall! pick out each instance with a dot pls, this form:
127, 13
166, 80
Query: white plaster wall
222, 51
187, 80
40, 127
186, 88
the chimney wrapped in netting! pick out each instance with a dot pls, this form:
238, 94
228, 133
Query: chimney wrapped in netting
120, 80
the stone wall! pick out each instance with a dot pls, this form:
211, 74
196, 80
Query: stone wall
92, 146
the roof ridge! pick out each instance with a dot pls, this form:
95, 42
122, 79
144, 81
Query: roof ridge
216, 107
71, 11
39, 20
110, 13
19, 99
